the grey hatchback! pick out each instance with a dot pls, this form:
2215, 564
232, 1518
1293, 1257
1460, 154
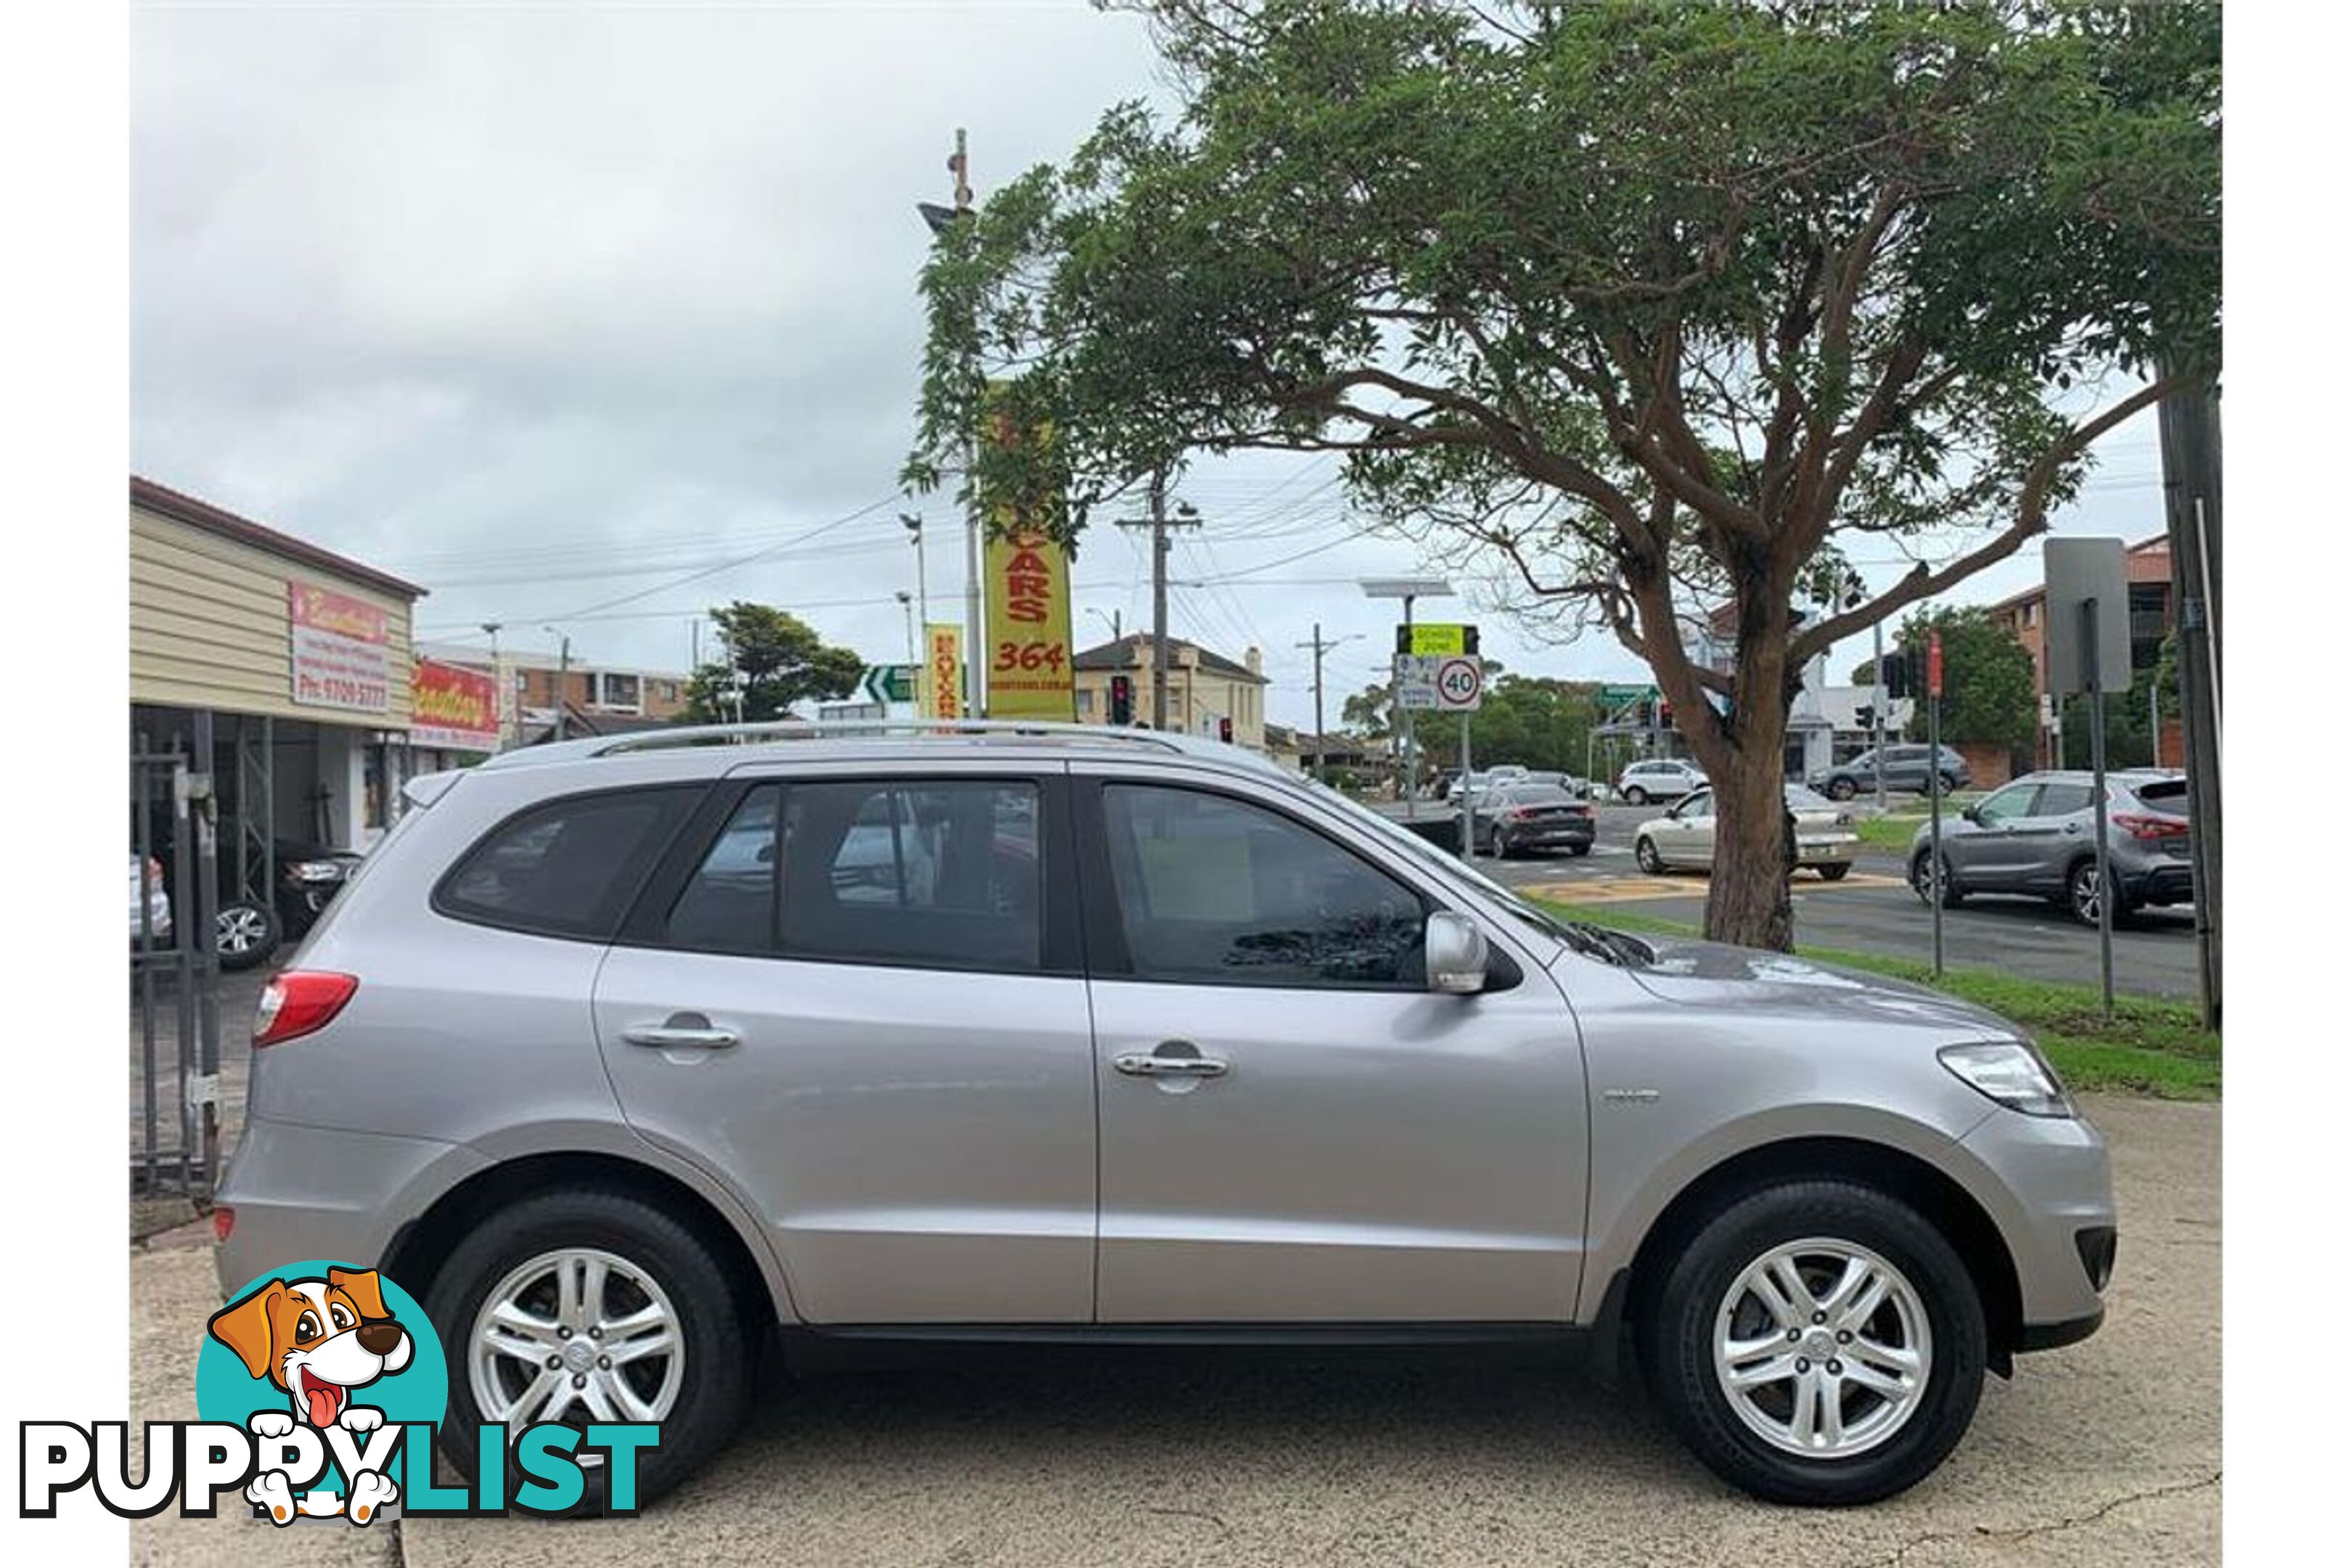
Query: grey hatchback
2036, 835
633, 1057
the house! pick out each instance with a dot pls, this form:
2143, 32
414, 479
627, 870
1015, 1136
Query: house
1810, 747
2148, 578
597, 699
1208, 694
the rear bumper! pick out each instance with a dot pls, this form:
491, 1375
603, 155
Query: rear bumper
2167, 882
302, 1192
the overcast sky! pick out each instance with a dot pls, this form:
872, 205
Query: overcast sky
552, 309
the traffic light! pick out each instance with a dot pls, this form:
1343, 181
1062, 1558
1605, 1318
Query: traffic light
1122, 699
1226, 731
1863, 715
1894, 674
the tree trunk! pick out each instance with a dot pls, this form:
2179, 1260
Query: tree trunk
1748, 896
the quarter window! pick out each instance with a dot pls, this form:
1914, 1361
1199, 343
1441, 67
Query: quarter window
1216, 890
568, 868
730, 904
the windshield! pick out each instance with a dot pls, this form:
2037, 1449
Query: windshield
1597, 942
1799, 795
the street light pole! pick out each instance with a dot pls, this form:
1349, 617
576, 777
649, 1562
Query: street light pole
913, 521
497, 687
907, 603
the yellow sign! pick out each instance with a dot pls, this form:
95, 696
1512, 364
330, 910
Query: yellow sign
942, 695
1029, 674
1440, 639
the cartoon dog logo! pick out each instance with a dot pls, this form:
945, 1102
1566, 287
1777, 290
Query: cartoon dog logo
318, 1339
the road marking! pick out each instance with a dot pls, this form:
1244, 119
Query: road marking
1631, 890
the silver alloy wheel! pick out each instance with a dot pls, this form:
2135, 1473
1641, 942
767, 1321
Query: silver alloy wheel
1646, 854
576, 1335
2083, 892
241, 928
1821, 1348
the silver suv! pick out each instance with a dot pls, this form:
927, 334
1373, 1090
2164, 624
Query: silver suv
634, 1055
2038, 836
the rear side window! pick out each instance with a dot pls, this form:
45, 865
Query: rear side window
940, 874
2062, 800
568, 868
729, 905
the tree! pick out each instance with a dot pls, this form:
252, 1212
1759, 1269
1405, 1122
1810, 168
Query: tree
1988, 691
1652, 307
783, 662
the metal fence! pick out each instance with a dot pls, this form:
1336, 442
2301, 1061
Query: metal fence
174, 974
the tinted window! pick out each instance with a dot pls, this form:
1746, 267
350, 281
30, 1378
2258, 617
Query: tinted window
1537, 795
568, 868
2062, 800
1804, 799
1696, 807
730, 904
1213, 889
940, 874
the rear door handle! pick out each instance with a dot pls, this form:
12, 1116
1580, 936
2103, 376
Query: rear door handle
688, 1030
1140, 1064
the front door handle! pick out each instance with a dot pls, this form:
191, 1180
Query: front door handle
1171, 1059
688, 1031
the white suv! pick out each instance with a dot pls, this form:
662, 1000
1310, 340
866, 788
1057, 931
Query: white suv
1662, 778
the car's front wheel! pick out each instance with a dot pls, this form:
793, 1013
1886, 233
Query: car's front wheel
1923, 885
1841, 789
1833, 872
591, 1305
1645, 856
1818, 1342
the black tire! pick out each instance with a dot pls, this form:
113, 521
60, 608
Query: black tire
1504, 844
1679, 1318
2082, 899
1919, 882
1637, 796
246, 933
1840, 789
1580, 849
1645, 856
719, 1359
1832, 873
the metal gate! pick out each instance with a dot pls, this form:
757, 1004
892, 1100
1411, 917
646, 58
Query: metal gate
175, 972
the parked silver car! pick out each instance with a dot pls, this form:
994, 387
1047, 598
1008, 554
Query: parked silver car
1168, 1044
2036, 835
1684, 837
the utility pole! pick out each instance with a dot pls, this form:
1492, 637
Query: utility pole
562, 675
498, 685
1322, 647
2188, 435
907, 603
1159, 522
913, 521
941, 219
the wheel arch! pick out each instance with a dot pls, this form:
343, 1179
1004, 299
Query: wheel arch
1940, 1200
416, 1251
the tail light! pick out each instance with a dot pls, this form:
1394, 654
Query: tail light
300, 1002
2148, 828
224, 1222
1518, 814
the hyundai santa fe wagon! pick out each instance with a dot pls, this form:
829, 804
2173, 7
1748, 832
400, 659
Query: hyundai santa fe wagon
633, 1056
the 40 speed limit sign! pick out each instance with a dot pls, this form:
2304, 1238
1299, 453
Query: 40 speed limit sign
1460, 682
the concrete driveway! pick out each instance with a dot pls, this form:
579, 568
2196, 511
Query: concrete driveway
2106, 1453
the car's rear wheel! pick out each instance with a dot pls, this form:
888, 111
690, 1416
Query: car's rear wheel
1921, 885
591, 1305
1833, 873
1818, 1342
1841, 789
2082, 893
1645, 856
1580, 848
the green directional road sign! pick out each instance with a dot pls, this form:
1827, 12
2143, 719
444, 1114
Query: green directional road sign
1627, 696
888, 683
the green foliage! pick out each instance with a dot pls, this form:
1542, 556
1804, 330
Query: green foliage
1650, 305
1535, 722
783, 659
1988, 691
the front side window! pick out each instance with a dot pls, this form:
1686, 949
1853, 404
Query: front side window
1699, 807
936, 873
568, 868
2007, 804
1216, 890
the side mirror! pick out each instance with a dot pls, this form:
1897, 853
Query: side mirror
1971, 813
1455, 950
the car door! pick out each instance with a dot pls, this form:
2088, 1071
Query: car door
1983, 851
1689, 837
1295, 1129
856, 998
2050, 836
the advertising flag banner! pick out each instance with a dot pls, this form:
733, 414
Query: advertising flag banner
342, 657
452, 708
1027, 644
943, 693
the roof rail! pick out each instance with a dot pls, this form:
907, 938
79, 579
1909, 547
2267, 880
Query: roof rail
808, 730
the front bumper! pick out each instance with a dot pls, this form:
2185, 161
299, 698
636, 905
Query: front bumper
2048, 1185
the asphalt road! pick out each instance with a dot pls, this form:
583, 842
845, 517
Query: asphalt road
2104, 1452
1874, 911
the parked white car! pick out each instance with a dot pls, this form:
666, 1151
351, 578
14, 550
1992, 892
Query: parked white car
1684, 837
1659, 778
159, 903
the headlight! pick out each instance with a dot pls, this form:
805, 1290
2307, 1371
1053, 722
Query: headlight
2011, 1072
315, 870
